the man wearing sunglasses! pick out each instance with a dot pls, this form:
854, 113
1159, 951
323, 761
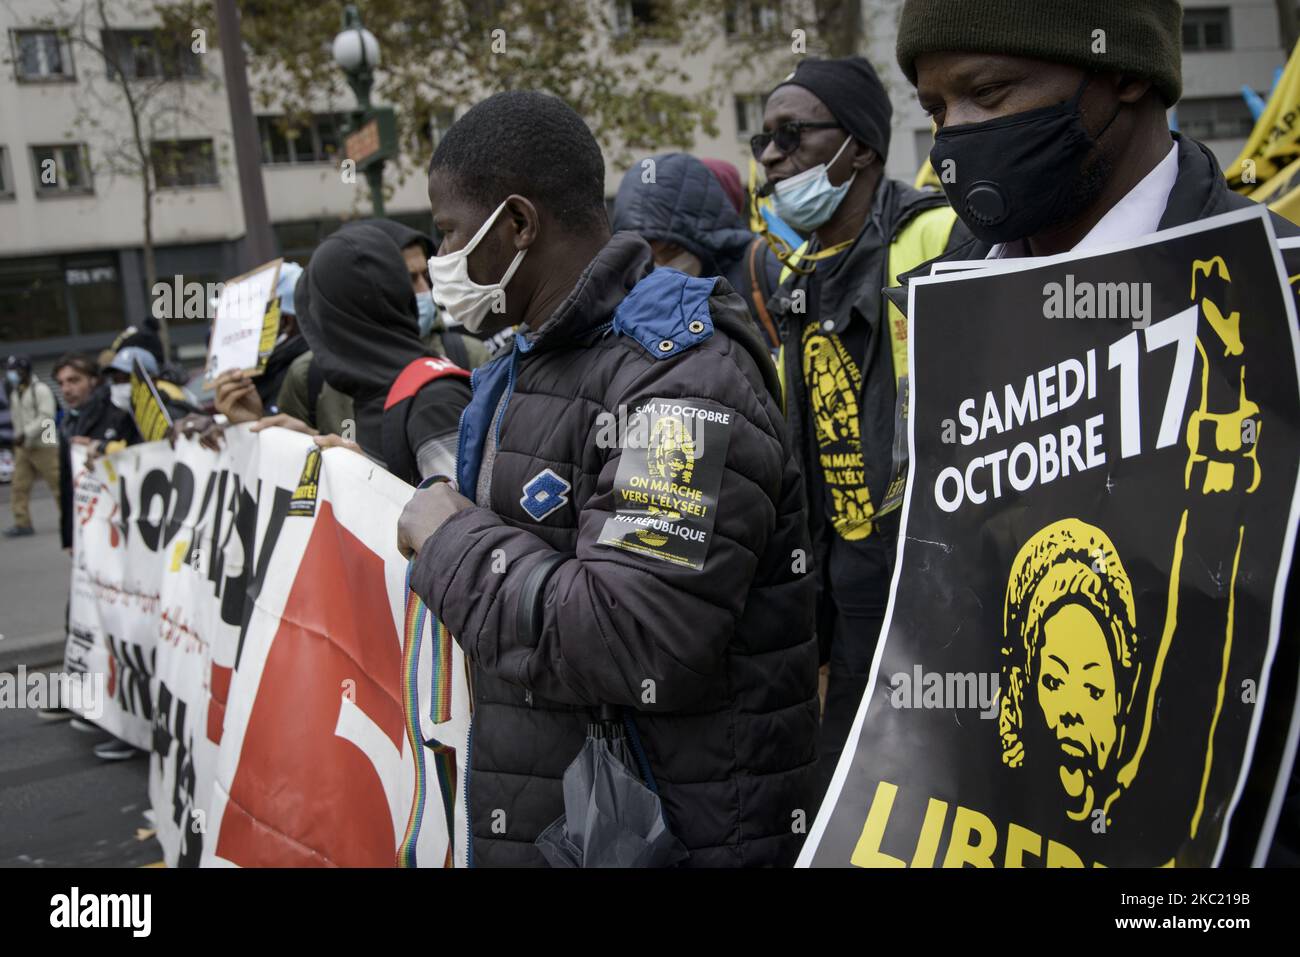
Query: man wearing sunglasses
843, 351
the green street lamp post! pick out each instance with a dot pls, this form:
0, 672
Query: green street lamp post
371, 135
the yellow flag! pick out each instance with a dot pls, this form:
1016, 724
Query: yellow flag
1275, 141
1282, 193
1288, 206
927, 178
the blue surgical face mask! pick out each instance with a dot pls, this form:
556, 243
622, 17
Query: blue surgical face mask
428, 312
13, 378
808, 200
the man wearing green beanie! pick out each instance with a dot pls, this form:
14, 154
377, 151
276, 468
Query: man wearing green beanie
1052, 136
1051, 127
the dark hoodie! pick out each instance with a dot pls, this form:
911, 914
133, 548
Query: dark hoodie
460, 347
687, 206
357, 312
399, 233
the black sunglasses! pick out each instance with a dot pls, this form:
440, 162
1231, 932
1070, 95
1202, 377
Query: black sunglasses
786, 137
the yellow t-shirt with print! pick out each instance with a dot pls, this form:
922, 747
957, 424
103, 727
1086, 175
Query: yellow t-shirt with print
834, 383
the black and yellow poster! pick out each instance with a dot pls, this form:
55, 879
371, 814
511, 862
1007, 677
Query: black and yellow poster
303, 502
669, 473
151, 417
1081, 665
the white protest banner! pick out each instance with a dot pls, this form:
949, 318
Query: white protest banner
248, 608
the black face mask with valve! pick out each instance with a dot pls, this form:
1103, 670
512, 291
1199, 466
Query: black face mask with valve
1010, 177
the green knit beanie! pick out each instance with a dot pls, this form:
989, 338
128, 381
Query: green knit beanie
1140, 37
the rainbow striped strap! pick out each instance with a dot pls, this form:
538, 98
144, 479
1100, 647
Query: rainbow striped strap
411, 639
439, 711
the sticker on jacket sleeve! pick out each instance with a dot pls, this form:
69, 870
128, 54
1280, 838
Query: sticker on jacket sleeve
666, 489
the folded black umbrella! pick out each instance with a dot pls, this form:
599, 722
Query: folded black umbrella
611, 819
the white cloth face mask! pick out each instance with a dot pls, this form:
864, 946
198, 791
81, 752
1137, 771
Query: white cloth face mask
465, 301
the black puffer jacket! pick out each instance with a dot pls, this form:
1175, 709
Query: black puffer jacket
715, 669
685, 205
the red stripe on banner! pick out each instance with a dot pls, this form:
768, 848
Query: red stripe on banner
304, 794
216, 720
217, 703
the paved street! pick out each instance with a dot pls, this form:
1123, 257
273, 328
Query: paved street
59, 805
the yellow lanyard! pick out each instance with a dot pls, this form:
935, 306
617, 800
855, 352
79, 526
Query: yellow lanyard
792, 258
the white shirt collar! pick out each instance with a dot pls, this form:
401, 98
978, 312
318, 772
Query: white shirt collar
1138, 214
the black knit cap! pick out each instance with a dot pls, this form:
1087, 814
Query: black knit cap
853, 93
1141, 38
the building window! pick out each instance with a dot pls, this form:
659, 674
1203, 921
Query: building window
6, 175
298, 240
42, 55
318, 141
1215, 118
54, 296
634, 14
749, 114
751, 18
183, 163
1207, 29
148, 54
62, 169
95, 291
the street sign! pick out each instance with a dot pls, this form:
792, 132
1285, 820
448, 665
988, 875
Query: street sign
374, 140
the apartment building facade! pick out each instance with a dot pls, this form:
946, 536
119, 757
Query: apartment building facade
71, 265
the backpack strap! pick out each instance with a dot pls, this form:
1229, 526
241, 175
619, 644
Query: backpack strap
399, 457
760, 295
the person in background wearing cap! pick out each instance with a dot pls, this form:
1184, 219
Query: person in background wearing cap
118, 373
1054, 147
823, 148
36, 440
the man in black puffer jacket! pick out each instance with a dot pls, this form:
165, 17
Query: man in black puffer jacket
661, 571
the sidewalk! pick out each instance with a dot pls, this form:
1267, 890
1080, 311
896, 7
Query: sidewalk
34, 576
